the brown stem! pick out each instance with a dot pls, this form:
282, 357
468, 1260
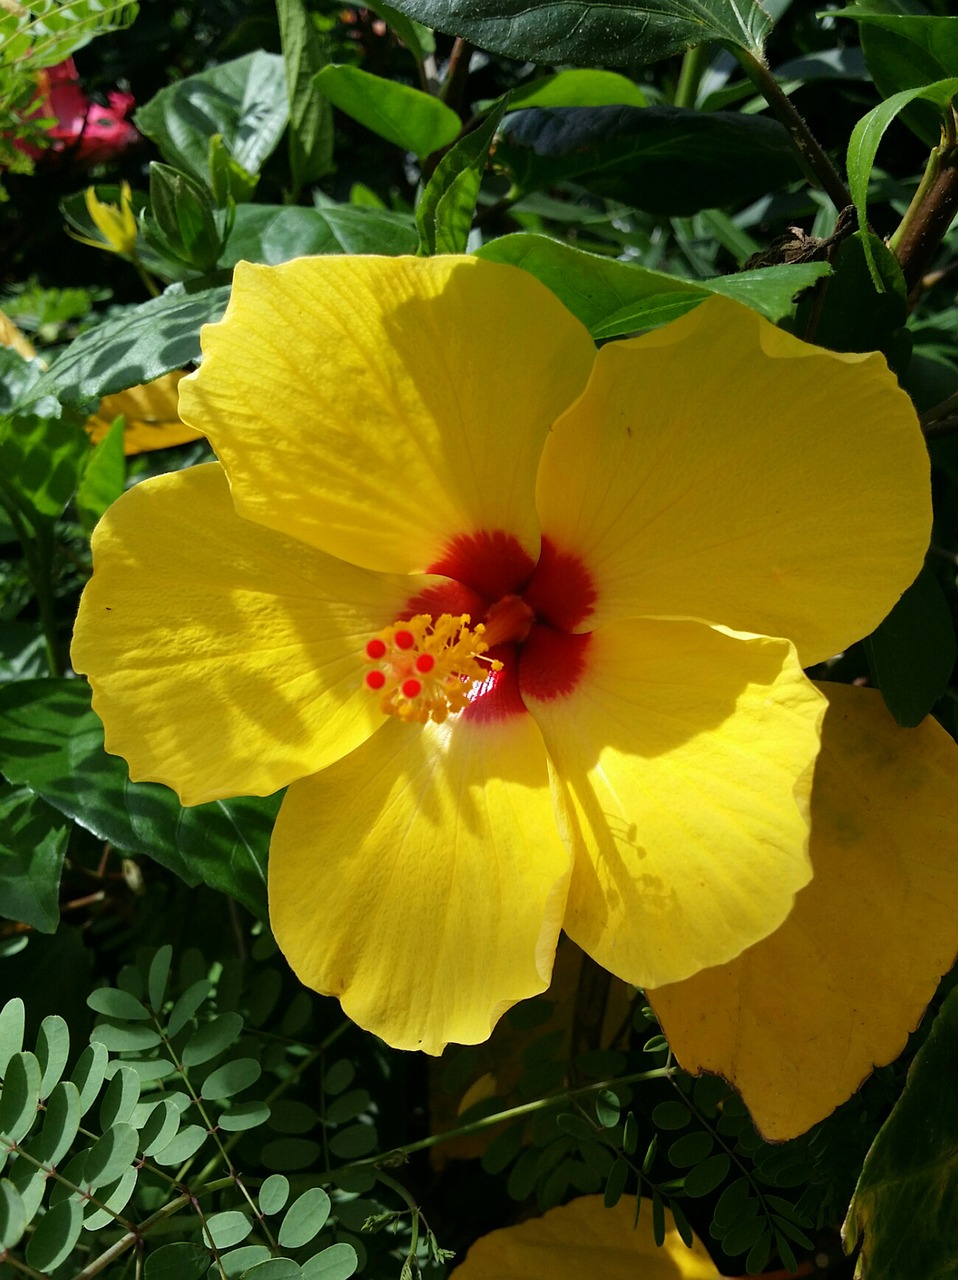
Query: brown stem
916, 243
457, 71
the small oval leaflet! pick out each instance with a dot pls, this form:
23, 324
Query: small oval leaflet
187, 1005
304, 1219
53, 1048
231, 1078
60, 1124
13, 1217
88, 1074
20, 1096
55, 1235
160, 1127
159, 976
212, 1039
708, 1175
114, 1198
338, 1262
186, 1143
228, 1228
110, 1155
691, 1148
117, 1004
181, 1261
671, 1115
245, 1115
122, 1095
11, 1031
274, 1193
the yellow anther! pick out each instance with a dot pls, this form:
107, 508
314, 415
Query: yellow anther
428, 668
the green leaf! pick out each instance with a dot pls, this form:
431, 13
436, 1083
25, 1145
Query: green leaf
125, 1037
445, 210
352, 1143
730, 1205
12, 1017
705, 1177
243, 100
52, 742
33, 842
88, 1074
160, 1128
758, 1254
182, 223
406, 117
53, 1049
20, 1097
615, 1183
904, 50
618, 33
868, 133
851, 314
274, 1193
231, 1078
103, 477
671, 1115
49, 31
41, 459
338, 1262
181, 1261
245, 1115
911, 655
274, 1269
275, 233
13, 1217
578, 89
121, 1096
61, 1123
304, 1219
187, 1005
55, 1235
212, 1038
140, 345
305, 52
744, 1235
159, 976
118, 1004
671, 161
186, 1143
239, 1260
110, 1156
226, 1229
691, 1148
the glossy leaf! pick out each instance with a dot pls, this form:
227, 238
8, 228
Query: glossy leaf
905, 1209
148, 340
620, 33
103, 477
244, 101
51, 741
305, 51
578, 89
406, 117
446, 209
46, 455
666, 160
33, 842
275, 233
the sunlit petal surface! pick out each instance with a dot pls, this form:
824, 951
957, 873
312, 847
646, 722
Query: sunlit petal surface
380, 407
223, 656
798, 1021
683, 763
584, 1239
422, 880
718, 468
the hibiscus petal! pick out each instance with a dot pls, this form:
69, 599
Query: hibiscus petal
379, 407
225, 658
422, 880
152, 417
720, 469
683, 761
798, 1021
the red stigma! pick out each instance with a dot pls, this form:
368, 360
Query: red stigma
404, 639
375, 650
375, 679
425, 663
411, 688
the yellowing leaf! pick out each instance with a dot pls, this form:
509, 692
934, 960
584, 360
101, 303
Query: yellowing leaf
152, 419
582, 1239
798, 1021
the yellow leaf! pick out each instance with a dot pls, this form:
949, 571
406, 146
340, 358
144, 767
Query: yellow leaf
583, 1238
152, 419
799, 1020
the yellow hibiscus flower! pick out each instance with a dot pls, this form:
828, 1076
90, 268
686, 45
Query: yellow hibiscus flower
506, 614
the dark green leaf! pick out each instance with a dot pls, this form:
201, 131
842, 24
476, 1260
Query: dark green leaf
346, 1107
160, 1128
13, 1217
406, 117
159, 975
615, 1183
912, 653
121, 1096
53, 1049
691, 1148
304, 1219
305, 51
705, 1177
904, 1213
448, 202
666, 160
180, 1261
182, 218
147, 341
20, 1097
61, 1121
731, 1204
33, 842
618, 33
212, 1038
54, 1236
243, 100
575, 1126
41, 459
291, 1154
607, 1109
851, 314
744, 1235
658, 1220
358, 1140
275, 233
671, 1115
758, 1254
51, 741
187, 1005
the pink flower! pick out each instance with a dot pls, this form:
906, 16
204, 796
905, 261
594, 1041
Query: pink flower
92, 133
